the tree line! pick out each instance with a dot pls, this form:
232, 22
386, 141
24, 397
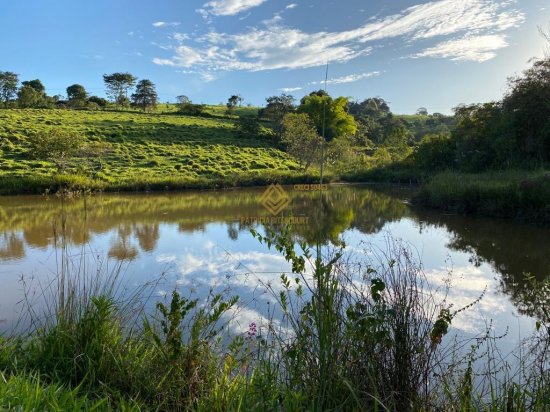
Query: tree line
32, 93
513, 132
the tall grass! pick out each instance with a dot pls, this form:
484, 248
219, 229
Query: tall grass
513, 194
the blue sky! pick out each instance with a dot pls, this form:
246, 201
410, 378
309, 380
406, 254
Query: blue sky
412, 53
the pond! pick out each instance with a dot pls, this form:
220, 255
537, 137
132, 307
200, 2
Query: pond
201, 241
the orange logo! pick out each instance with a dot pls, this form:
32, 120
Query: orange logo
275, 199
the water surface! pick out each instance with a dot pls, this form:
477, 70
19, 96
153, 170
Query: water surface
201, 241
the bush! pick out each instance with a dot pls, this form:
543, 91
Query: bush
93, 106
55, 145
435, 153
191, 109
248, 126
101, 102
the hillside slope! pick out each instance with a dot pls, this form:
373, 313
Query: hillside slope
132, 150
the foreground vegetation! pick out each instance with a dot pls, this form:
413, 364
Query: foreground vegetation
338, 339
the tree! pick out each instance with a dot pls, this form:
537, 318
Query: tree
183, 99
277, 108
395, 136
301, 139
526, 107
27, 96
233, 101
480, 138
36, 85
248, 126
328, 115
186, 106
100, 101
435, 153
145, 96
422, 111
77, 95
8, 86
76, 92
118, 85
57, 146
374, 107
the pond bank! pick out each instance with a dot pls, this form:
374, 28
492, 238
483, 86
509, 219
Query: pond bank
516, 194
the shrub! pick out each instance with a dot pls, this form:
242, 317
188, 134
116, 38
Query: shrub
248, 126
101, 102
436, 152
191, 109
55, 145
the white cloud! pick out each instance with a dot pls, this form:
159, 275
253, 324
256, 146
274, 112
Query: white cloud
228, 7
467, 285
166, 24
472, 48
290, 89
348, 79
257, 50
477, 23
291, 6
94, 57
180, 37
163, 62
208, 77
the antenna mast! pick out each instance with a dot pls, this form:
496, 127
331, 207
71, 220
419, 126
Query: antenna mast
324, 121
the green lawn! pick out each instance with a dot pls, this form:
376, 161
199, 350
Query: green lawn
140, 151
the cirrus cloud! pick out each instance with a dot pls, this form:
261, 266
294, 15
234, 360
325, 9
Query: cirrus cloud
469, 30
472, 48
350, 78
159, 24
228, 7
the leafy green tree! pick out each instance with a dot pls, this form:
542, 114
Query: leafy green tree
188, 108
55, 145
8, 86
395, 137
118, 85
301, 139
234, 100
340, 155
277, 108
328, 115
480, 138
374, 107
77, 95
232, 103
183, 99
145, 96
422, 111
435, 153
526, 107
28, 97
368, 131
36, 85
248, 126
100, 101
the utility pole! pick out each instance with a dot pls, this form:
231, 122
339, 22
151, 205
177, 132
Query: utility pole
324, 121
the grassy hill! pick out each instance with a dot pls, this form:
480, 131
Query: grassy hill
132, 150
